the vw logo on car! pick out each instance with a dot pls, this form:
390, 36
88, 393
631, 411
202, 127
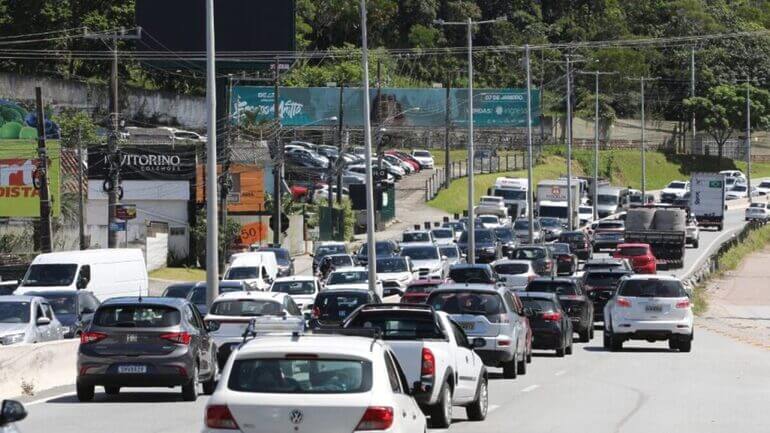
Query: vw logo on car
295, 416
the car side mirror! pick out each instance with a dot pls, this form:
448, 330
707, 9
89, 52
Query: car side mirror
12, 411
478, 343
528, 312
43, 321
87, 311
82, 283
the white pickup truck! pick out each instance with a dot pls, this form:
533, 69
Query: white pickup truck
435, 355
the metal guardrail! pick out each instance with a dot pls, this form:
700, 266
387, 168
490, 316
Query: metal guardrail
459, 169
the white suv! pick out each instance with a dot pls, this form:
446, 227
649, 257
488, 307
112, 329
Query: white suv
652, 308
318, 383
758, 211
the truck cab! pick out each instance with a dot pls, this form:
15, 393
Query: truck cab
514, 192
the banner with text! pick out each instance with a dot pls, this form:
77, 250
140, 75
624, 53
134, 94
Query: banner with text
19, 176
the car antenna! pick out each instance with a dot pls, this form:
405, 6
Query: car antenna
140, 295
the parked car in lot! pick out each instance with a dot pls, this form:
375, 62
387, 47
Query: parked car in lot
232, 313
758, 211
639, 255
540, 256
418, 290
73, 310
551, 326
302, 289
652, 308
608, 234
473, 274
435, 355
574, 301
333, 306
487, 312
600, 286
515, 274
424, 157
324, 383
579, 243
566, 261
27, 319
146, 342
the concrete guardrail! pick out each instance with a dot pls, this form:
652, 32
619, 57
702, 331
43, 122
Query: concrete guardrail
26, 369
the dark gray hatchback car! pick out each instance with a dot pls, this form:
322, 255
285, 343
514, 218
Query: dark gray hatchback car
146, 342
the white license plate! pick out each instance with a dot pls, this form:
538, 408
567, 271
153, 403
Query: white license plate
468, 326
654, 308
132, 369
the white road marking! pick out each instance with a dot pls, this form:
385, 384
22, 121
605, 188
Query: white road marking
530, 388
560, 373
53, 397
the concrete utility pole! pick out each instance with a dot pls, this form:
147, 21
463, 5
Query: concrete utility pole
212, 225
278, 164
569, 142
447, 128
339, 137
112, 144
692, 94
643, 80
370, 250
81, 214
747, 80
469, 23
44, 223
530, 204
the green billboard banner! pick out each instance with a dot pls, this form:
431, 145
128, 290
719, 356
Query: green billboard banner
305, 106
18, 172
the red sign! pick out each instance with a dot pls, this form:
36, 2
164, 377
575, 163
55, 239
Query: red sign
125, 212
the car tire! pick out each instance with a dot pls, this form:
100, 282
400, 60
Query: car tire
529, 356
190, 389
84, 392
616, 343
585, 335
210, 385
521, 366
112, 390
685, 345
591, 331
568, 349
441, 412
477, 411
696, 243
607, 340
509, 368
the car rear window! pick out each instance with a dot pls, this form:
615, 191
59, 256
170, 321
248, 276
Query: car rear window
177, 291
602, 279
652, 289
421, 288
348, 277
416, 237
242, 273
528, 253
137, 316
294, 287
469, 275
558, 287
399, 325
337, 306
475, 303
572, 237
246, 307
512, 268
611, 225
633, 251
539, 305
300, 376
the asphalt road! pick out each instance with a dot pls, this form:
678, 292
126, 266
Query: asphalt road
722, 385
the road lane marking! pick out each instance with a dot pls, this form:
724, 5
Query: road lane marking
560, 373
53, 397
530, 388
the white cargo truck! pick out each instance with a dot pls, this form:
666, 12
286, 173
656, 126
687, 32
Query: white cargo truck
707, 199
514, 193
552, 199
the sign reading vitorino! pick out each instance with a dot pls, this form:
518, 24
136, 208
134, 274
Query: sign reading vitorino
145, 162
18, 169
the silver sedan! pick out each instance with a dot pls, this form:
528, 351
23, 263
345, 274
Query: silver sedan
27, 319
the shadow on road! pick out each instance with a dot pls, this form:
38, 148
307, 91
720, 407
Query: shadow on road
127, 397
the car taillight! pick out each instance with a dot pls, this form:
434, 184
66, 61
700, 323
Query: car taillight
219, 417
623, 302
177, 337
92, 337
552, 316
683, 304
428, 363
316, 313
376, 418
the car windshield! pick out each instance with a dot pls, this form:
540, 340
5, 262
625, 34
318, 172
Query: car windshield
632, 251
560, 248
524, 225
348, 277
415, 237
512, 268
337, 306
325, 250
739, 188
457, 226
758, 205
528, 253
294, 287
511, 194
602, 279
397, 264
442, 233
242, 273
652, 288
616, 224
572, 237
246, 307
482, 236
607, 199
62, 304
341, 260
381, 248
764, 184
585, 209
300, 375
14, 312
462, 302
399, 325
449, 252
558, 287
137, 316
420, 253
553, 211
50, 275
550, 222
470, 275
421, 153
676, 185
504, 234
177, 291
489, 219
539, 305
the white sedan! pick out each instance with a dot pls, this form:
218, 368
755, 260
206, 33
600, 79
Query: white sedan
758, 211
424, 157
318, 383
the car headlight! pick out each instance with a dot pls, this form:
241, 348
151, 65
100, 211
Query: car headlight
12, 338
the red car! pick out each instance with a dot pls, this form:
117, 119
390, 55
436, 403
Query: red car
407, 158
640, 255
418, 290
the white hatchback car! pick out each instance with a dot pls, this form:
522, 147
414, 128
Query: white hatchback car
758, 211
652, 308
313, 383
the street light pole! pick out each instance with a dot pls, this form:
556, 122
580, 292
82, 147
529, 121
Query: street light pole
212, 225
569, 142
370, 250
748, 136
530, 205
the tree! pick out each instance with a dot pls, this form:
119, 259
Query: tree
228, 234
722, 112
77, 126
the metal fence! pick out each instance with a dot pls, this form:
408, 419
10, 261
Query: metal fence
458, 169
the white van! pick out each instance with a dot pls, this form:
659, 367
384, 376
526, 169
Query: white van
106, 273
258, 268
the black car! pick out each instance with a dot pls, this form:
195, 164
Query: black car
473, 274
146, 342
540, 256
600, 285
566, 262
506, 238
551, 326
74, 309
579, 243
607, 263
381, 248
574, 301
283, 258
325, 249
487, 247
179, 290
198, 293
332, 307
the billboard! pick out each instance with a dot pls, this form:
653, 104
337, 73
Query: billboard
247, 195
302, 106
162, 162
18, 168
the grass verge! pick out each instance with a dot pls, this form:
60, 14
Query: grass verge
179, 274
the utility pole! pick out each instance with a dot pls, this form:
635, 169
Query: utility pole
747, 80
370, 250
642, 81
569, 141
44, 223
81, 214
530, 204
112, 144
212, 225
278, 164
447, 128
339, 137
692, 95
469, 23
225, 181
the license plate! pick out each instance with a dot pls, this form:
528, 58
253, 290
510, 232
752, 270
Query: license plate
468, 326
654, 308
132, 369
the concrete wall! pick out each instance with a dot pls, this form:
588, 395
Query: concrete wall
26, 369
136, 104
156, 251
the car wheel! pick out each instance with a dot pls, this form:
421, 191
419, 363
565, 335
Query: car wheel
607, 340
211, 384
673, 344
591, 331
696, 243
112, 390
585, 335
509, 368
190, 389
477, 411
685, 345
560, 352
616, 343
84, 392
441, 412
521, 366
568, 349
529, 356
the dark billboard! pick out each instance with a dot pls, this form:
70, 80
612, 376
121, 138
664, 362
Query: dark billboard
145, 162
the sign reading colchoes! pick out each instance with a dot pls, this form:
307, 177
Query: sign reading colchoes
144, 162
